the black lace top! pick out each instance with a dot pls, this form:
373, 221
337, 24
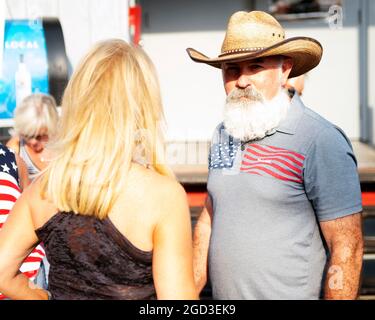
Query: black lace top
91, 259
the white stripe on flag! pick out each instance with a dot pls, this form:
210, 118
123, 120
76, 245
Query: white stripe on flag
6, 205
3, 218
9, 190
37, 254
7, 176
30, 266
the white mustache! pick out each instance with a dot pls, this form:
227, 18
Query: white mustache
248, 93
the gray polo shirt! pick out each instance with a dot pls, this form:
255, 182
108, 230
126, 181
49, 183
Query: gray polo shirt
268, 197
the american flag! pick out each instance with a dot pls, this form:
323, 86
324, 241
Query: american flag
222, 154
259, 159
9, 193
273, 162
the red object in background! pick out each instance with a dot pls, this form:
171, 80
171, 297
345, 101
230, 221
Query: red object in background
135, 22
196, 199
368, 198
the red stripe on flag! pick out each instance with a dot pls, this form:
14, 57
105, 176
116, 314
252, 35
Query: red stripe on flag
1, 225
7, 183
275, 166
30, 274
7, 197
291, 152
42, 253
273, 155
275, 175
299, 171
4, 212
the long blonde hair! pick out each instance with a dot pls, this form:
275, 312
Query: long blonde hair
112, 96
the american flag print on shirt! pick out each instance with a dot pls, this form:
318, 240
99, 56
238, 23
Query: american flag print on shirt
9, 193
264, 160
222, 154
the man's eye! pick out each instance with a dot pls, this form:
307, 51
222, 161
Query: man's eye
231, 70
256, 67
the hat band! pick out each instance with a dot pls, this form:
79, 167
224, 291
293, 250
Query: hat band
240, 50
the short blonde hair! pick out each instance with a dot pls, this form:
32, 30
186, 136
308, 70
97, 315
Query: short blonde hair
112, 95
35, 112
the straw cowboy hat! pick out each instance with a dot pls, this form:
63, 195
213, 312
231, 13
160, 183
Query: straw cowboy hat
257, 34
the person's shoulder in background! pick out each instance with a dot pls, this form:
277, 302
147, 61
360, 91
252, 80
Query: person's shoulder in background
14, 144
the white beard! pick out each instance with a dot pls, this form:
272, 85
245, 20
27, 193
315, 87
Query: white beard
248, 116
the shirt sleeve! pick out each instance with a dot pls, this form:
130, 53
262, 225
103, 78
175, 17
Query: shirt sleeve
9, 163
331, 176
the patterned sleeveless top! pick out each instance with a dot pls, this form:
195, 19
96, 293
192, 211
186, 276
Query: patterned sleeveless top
90, 259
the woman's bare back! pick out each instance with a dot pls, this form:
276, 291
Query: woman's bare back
136, 212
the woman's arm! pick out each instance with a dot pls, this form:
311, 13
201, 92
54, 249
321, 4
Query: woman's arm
201, 241
17, 239
173, 252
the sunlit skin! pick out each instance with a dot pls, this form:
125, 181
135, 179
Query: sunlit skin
262, 73
297, 83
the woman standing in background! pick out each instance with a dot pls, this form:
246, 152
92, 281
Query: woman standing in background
35, 121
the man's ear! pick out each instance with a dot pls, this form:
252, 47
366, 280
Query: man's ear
286, 69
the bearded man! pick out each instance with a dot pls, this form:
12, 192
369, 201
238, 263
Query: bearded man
282, 180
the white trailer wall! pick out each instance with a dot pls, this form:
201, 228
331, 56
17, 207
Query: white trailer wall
193, 94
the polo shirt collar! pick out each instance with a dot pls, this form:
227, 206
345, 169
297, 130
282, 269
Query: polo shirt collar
295, 112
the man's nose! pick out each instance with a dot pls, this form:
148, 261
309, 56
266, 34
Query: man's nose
243, 81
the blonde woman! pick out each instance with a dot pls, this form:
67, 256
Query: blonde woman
35, 120
112, 228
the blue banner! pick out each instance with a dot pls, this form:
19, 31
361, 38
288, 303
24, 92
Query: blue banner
25, 64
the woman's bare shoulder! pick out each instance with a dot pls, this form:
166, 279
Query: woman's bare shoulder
164, 191
41, 208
